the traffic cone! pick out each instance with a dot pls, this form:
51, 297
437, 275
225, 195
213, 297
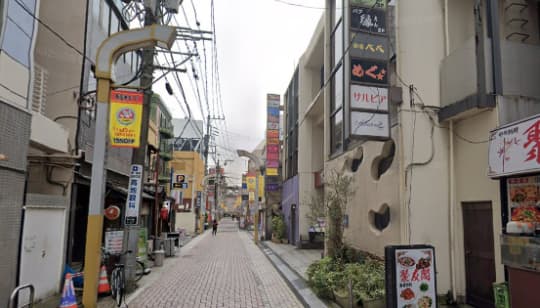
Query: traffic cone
103, 287
68, 294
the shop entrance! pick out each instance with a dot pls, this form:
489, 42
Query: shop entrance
479, 253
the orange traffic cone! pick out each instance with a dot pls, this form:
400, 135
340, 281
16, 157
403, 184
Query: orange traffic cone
68, 294
103, 287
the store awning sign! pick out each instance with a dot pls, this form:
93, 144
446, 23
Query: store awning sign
125, 118
515, 148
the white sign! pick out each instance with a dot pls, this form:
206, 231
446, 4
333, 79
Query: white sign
415, 278
134, 195
369, 98
366, 124
515, 148
114, 241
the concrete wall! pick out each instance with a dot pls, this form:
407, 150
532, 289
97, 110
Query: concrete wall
472, 184
370, 195
192, 165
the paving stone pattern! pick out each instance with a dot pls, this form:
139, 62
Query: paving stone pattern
227, 270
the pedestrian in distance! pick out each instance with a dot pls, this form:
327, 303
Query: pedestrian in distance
214, 227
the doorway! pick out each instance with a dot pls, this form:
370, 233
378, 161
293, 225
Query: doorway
479, 253
293, 224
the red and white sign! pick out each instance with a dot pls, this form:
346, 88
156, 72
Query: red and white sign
369, 98
515, 148
415, 278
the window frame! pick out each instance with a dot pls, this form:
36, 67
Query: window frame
337, 67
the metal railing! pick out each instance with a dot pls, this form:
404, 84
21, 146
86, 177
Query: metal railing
15, 293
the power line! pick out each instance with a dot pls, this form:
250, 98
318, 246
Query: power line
300, 5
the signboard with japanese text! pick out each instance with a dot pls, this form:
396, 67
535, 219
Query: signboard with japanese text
515, 148
369, 71
369, 46
142, 244
369, 98
368, 20
199, 200
125, 118
114, 241
366, 124
372, 4
134, 195
272, 138
410, 276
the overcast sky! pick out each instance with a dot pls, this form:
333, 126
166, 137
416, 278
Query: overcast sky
259, 43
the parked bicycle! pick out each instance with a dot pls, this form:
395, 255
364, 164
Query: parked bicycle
118, 275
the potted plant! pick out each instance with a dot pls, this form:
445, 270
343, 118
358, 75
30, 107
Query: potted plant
278, 229
368, 283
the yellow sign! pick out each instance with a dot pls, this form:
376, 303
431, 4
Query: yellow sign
251, 183
125, 119
271, 171
261, 185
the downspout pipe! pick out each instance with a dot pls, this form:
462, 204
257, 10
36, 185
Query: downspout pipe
451, 166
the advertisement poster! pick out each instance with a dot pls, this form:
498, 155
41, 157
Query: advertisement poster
133, 197
142, 244
524, 199
125, 118
114, 241
415, 278
411, 276
272, 138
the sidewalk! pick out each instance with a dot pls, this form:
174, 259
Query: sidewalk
107, 301
292, 264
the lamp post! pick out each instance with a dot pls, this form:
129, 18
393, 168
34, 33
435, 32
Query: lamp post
260, 167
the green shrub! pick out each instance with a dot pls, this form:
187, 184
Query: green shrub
328, 275
323, 276
278, 227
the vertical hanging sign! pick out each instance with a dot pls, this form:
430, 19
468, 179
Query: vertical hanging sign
133, 197
125, 118
272, 140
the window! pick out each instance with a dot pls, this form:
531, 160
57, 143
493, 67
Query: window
291, 98
19, 30
336, 82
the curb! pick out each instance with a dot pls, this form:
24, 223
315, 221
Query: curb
295, 281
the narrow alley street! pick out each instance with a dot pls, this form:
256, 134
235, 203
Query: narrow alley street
227, 270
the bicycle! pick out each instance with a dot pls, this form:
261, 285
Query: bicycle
118, 275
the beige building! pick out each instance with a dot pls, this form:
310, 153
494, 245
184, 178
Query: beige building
426, 181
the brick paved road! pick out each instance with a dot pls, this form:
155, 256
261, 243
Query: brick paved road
223, 271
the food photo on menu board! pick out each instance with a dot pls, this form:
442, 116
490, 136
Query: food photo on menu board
524, 199
412, 271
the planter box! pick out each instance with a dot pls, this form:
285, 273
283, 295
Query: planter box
377, 303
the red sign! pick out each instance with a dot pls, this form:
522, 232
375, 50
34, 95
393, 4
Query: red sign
112, 212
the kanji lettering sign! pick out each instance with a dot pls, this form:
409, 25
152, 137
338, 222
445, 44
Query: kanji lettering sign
368, 20
133, 197
365, 45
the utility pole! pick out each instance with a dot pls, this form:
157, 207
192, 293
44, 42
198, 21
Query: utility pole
216, 183
139, 154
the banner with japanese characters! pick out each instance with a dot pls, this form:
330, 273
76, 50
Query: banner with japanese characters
411, 276
515, 148
272, 140
134, 195
125, 118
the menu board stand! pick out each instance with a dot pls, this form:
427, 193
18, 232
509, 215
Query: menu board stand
410, 273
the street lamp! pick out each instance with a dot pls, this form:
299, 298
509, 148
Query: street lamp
260, 166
